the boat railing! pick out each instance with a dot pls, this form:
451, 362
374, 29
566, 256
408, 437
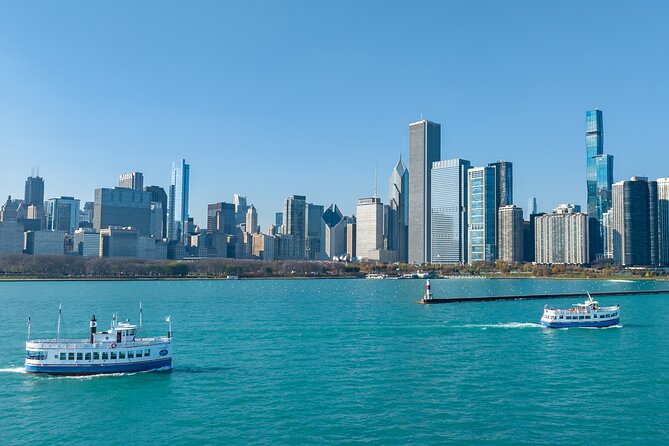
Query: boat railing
82, 344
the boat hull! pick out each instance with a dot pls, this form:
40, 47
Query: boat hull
587, 324
100, 369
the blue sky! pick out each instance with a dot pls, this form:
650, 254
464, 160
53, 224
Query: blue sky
270, 99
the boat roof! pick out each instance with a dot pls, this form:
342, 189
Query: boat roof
125, 326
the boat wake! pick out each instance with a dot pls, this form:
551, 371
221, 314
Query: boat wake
13, 370
505, 325
600, 328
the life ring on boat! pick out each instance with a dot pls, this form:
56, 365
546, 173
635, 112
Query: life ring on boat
112, 345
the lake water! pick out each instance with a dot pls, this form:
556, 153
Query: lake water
350, 361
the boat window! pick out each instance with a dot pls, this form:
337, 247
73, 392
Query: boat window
96, 356
88, 356
121, 355
138, 354
39, 355
614, 314
581, 317
569, 317
587, 317
147, 352
594, 316
70, 356
105, 355
80, 356
561, 317
112, 355
62, 356
131, 332
130, 354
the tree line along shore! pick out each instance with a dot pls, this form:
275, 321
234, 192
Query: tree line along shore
75, 267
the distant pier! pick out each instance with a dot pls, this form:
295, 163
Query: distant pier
449, 300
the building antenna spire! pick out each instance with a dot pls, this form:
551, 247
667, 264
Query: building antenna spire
375, 182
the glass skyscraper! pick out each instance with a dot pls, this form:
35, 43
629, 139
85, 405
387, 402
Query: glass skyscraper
481, 219
178, 206
599, 178
449, 211
424, 149
398, 202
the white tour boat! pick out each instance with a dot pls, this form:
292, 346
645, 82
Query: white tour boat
587, 314
116, 350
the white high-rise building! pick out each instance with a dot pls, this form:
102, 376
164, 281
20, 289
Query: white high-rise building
562, 237
369, 231
251, 220
449, 211
177, 220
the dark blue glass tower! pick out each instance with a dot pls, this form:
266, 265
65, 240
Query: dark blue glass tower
599, 178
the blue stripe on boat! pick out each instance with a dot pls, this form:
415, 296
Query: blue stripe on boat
94, 369
606, 323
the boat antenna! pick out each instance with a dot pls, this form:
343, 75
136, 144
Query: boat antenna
28, 326
168, 319
60, 307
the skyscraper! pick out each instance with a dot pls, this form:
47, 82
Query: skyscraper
251, 220
294, 220
122, 207
599, 178
510, 242
34, 196
663, 220
315, 232
240, 208
369, 230
424, 149
503, 182
132, 180
335, 232
635, 222
531, 206
481, 200
63, 214
398, 202
449, 211
221, 218
177, 222
158, 195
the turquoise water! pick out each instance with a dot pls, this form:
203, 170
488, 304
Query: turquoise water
350, 361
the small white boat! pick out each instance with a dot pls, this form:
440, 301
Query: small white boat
587, 314
116, 350
375, 276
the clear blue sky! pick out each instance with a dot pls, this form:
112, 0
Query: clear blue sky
276, 98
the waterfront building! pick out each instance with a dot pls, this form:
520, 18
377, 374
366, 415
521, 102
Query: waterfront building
510, 242
424, 149
221, 217
351, 230
481, 218
562, 237
599, 179
87, 242
663, 221
122, 207
449, 211
635, 222
294, 218
177, 222
45, 243
264, 246
150, 248
116, 241
607, 234
63, 214
398, 202
87, 214
132, 180
158, 195
503, 182
278, 219
335, 232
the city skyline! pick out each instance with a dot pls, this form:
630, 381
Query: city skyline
208, 113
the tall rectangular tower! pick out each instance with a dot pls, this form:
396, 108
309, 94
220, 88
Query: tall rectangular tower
481, 216
424, 149
663, 220
449, 211
599, 178
177, 223
132, 180
398, 202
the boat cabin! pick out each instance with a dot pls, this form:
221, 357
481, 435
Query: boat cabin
119, 334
